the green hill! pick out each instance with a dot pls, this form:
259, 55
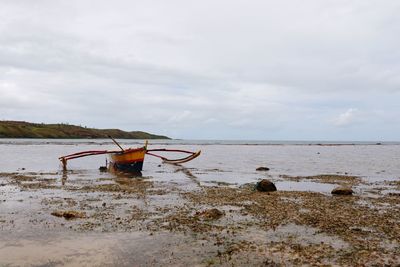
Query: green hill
21, 129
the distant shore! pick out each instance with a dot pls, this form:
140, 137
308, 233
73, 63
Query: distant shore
22, 129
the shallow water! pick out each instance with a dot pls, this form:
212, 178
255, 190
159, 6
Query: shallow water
101, 249
31, 235
221, 161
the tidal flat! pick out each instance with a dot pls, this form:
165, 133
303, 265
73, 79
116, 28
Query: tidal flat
128, 221
199, 214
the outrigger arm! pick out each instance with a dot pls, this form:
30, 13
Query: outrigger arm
64, 159
192, 155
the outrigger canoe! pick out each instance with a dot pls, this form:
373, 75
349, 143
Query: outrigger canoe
131, 159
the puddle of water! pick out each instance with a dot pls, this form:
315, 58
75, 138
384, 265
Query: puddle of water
297, 234
305, 186
117, 249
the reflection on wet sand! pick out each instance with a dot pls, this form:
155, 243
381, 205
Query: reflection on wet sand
188, 173
64, 177
115, 173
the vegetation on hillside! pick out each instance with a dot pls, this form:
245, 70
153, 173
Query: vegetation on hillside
21, 129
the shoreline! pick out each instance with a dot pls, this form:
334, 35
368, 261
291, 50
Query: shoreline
189, 223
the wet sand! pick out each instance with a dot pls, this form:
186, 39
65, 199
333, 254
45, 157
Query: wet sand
49, 219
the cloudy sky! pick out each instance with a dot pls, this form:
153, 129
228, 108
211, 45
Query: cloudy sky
241, 69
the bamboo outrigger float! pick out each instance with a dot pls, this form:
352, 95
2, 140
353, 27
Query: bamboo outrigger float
131, 159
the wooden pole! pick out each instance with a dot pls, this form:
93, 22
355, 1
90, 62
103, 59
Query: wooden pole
64, 163
116, 142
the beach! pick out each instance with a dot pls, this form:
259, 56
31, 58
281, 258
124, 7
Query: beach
203, 213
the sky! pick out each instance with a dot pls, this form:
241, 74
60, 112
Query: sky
237, 69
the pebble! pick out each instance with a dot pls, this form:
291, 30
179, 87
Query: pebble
342, 190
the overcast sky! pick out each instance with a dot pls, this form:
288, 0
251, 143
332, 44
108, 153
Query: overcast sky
210, 69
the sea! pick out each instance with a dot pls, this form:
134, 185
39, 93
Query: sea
221, 161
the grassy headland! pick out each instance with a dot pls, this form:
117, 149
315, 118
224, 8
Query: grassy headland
21, 129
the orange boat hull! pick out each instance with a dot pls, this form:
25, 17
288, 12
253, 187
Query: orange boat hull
130, 160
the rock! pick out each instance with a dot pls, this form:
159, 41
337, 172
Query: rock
211, 214
103, 168
342, 190
265, 186
69, 214
262, 169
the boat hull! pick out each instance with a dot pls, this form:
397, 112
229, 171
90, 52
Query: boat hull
129, 160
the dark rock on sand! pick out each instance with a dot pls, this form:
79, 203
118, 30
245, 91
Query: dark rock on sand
262, 169
103, 168
69, 214
265, 186
342, 190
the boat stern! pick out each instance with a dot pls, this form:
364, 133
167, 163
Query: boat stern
129, 160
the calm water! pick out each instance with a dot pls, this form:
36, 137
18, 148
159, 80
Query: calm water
221, 161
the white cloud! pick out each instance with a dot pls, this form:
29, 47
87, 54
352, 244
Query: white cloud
347, 118
11, 95
282, 68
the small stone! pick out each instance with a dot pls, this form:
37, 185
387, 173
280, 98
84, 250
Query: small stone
265, 186
69, 214
211, 214
342, 190
262, 169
